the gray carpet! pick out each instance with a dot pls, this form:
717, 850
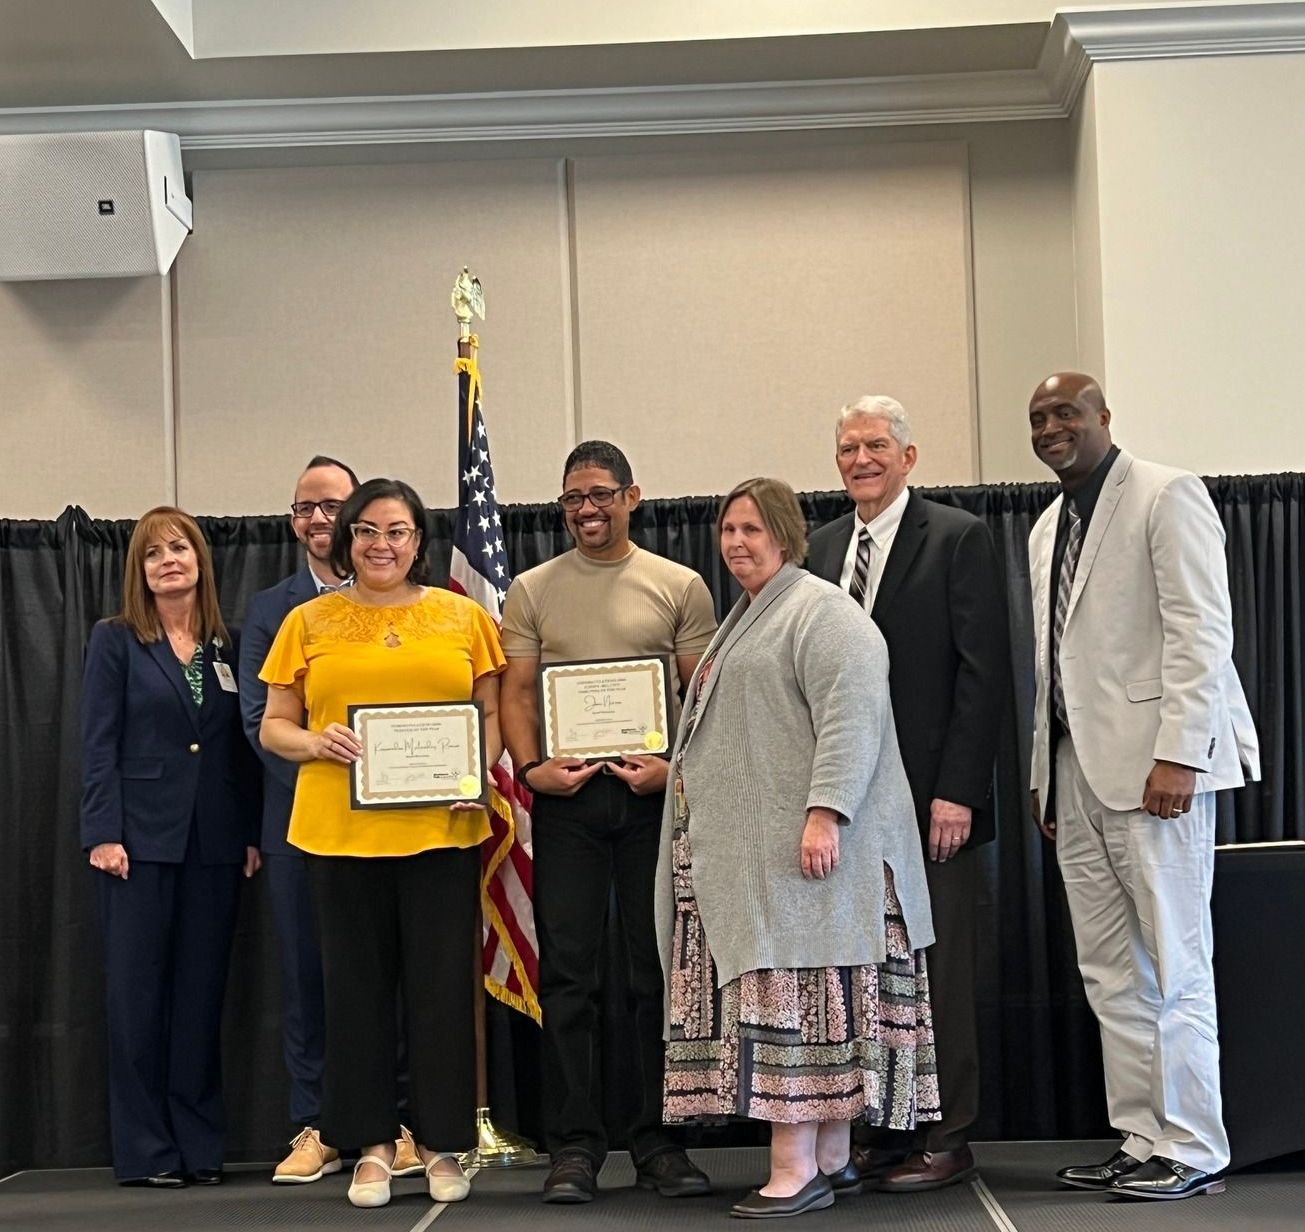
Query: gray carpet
1020, 1176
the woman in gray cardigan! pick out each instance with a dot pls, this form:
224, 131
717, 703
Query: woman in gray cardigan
792, 907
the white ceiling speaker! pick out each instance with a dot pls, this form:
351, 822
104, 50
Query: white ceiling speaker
91, 205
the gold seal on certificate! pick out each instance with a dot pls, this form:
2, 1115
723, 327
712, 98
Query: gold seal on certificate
419, 755
602, 709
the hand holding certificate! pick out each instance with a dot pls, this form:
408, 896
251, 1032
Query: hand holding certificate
605, 709
419, 755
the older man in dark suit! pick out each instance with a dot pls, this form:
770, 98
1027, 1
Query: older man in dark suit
927, 575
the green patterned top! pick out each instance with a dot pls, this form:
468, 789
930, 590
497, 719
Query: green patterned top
194, 672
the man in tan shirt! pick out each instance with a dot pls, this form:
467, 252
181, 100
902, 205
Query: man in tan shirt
597, 824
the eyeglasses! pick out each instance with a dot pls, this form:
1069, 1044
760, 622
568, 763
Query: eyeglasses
329, 508
367, 534
600, 498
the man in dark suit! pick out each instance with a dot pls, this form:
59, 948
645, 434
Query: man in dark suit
322, 489
927, 575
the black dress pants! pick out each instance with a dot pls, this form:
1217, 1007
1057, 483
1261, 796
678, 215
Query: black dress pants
585, 845
953, 891
391, 925
167, 946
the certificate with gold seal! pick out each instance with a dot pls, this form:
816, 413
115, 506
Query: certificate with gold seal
417, 755
604, 709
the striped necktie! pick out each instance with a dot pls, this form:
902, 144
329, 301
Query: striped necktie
1068, 564
861, 572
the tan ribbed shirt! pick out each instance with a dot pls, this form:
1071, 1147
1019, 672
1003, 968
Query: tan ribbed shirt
572, 607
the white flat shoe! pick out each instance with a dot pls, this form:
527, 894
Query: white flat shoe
370, 1193
445, 1187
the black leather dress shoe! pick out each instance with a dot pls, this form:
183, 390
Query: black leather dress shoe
873, 1161
846, 1181
573, 1178
1099, 1176
1167, 1178
815, 1195
160, 1180
672, 1174
205, 1176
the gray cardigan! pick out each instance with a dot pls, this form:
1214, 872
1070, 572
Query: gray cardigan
795, 715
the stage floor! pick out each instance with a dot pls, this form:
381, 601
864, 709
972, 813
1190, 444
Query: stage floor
1015, 1192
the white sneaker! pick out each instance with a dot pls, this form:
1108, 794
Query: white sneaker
370, 1193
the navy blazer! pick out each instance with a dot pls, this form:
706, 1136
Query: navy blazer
263, 619
153, 762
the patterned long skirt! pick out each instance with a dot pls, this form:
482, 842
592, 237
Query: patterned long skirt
810, 1044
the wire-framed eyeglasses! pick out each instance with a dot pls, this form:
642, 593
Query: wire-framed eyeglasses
600, 498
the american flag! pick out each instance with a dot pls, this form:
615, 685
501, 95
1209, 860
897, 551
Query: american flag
479, 570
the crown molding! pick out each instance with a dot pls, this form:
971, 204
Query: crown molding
560, 114
1080, 38
1075, 41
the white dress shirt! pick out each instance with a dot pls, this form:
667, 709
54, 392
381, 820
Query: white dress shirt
883, 530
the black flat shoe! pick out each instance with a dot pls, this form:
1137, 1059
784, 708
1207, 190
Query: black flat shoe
815, 1195
160, 1180
1167, 1178
1099, 1176
205, 1176
846, 1181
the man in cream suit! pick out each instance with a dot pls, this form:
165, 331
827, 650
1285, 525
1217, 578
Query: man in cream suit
1140, 718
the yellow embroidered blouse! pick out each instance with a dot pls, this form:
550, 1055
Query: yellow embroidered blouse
335, 652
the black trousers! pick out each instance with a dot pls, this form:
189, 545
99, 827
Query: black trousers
953, 890
289, 889
391, 925
167, 945
585, 846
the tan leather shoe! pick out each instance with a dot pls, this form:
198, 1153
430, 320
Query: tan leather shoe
310, 1159
406, 1160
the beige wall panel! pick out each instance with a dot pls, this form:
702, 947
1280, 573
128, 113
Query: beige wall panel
1201, 171
314, 316
85, 397
1023, 284
729, 303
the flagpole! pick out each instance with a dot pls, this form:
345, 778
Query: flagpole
495, 1148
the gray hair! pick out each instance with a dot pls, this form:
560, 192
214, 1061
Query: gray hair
877, 406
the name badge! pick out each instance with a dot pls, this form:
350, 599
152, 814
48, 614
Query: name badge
226, 678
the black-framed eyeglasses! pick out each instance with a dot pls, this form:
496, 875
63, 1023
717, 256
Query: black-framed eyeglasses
367, 534
329, 508
600, 498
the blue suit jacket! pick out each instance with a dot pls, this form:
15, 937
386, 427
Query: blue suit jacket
153, 761
266, 611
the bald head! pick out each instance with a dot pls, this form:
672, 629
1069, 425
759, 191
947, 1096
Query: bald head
1070, 425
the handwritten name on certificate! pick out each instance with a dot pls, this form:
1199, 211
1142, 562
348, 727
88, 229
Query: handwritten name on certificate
605, 708
416, 755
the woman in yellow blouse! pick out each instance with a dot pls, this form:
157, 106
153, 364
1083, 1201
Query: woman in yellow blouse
395, 889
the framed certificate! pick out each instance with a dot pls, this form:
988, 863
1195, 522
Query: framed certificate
418, 755
602, 709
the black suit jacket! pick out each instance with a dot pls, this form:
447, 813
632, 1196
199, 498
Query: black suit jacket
942, 612
153, 762
267, 610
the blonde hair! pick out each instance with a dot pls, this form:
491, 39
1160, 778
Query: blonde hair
139, 610
780, 512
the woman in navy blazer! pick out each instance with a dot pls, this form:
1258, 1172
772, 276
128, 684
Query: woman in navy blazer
169, 817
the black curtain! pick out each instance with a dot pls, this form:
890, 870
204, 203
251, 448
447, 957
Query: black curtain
1042, 1074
